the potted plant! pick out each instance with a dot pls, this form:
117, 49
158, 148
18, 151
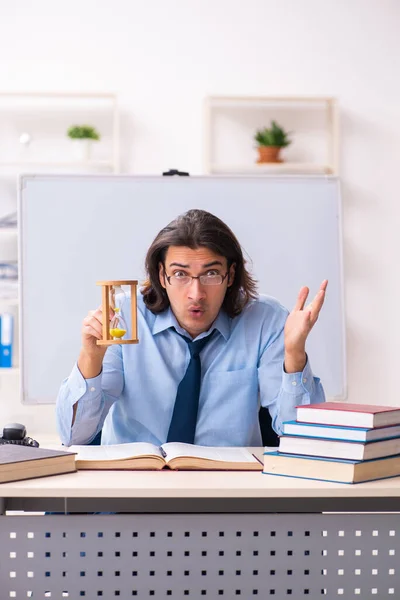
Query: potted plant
270, 141
84, 136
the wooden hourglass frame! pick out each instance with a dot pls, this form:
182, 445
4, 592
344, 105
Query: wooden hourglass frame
107, 339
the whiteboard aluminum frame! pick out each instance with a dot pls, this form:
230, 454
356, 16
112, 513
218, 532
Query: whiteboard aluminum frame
25, 178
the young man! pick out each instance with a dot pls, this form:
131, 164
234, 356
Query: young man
174, 387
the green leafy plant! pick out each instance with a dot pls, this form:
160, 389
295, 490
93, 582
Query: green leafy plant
273, 136
83, 132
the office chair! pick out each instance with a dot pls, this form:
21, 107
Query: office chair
96, 441
268, 435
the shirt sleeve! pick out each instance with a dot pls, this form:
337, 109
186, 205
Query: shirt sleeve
95, 397
281, 392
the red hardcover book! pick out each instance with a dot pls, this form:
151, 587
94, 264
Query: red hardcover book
352, 415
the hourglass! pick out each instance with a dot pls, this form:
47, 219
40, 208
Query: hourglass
115, 329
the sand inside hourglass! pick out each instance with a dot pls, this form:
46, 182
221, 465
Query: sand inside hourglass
115, 331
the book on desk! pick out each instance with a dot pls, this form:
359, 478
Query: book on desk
332, 448
330, 469
172, 455
19, 462
349, 414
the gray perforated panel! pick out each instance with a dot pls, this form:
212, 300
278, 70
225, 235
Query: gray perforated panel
127, 556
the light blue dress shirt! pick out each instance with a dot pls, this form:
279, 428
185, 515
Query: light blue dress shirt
133, 398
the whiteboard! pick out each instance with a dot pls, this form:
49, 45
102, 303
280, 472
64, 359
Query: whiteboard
76, 230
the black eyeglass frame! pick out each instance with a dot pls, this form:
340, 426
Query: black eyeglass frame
168, 278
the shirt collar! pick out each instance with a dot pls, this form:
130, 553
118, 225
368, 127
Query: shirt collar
167, 319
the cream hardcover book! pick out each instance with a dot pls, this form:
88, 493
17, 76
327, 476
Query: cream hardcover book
19, 462
331, 469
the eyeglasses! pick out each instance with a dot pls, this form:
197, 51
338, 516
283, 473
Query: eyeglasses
178, 280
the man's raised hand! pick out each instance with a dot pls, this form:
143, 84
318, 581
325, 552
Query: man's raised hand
298, 326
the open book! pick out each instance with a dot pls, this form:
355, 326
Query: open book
175, 455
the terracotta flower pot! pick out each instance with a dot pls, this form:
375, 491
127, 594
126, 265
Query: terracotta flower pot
269, 154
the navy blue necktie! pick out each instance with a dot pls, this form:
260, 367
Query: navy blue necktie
184, 417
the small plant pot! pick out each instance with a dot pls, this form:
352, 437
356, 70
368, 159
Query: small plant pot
82, 149
269, 154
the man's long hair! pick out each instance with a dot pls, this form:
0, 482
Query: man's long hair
198, 229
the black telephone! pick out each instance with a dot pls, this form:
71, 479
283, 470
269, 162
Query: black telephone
15, 433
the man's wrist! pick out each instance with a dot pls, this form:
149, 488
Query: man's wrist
295, 362
90, 365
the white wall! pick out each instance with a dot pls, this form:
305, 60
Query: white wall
162, 58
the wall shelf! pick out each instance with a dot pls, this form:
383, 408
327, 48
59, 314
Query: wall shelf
4, 302
9, 371
45, 118
230, 123
34, 139
267, 169
50, 164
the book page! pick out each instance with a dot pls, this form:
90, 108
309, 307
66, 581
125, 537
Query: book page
177, 449
115, 451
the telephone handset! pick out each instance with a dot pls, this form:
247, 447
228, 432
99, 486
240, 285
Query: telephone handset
15, 433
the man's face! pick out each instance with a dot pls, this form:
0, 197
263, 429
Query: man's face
195, 306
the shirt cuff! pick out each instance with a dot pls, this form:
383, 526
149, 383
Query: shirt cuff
298, 383
79, 386
82, 389
88, 392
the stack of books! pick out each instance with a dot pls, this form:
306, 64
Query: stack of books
344, 443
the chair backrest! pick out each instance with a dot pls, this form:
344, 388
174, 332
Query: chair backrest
268, 435
96, 441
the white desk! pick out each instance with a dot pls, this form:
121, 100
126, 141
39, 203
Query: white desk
212, 534
154, 490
